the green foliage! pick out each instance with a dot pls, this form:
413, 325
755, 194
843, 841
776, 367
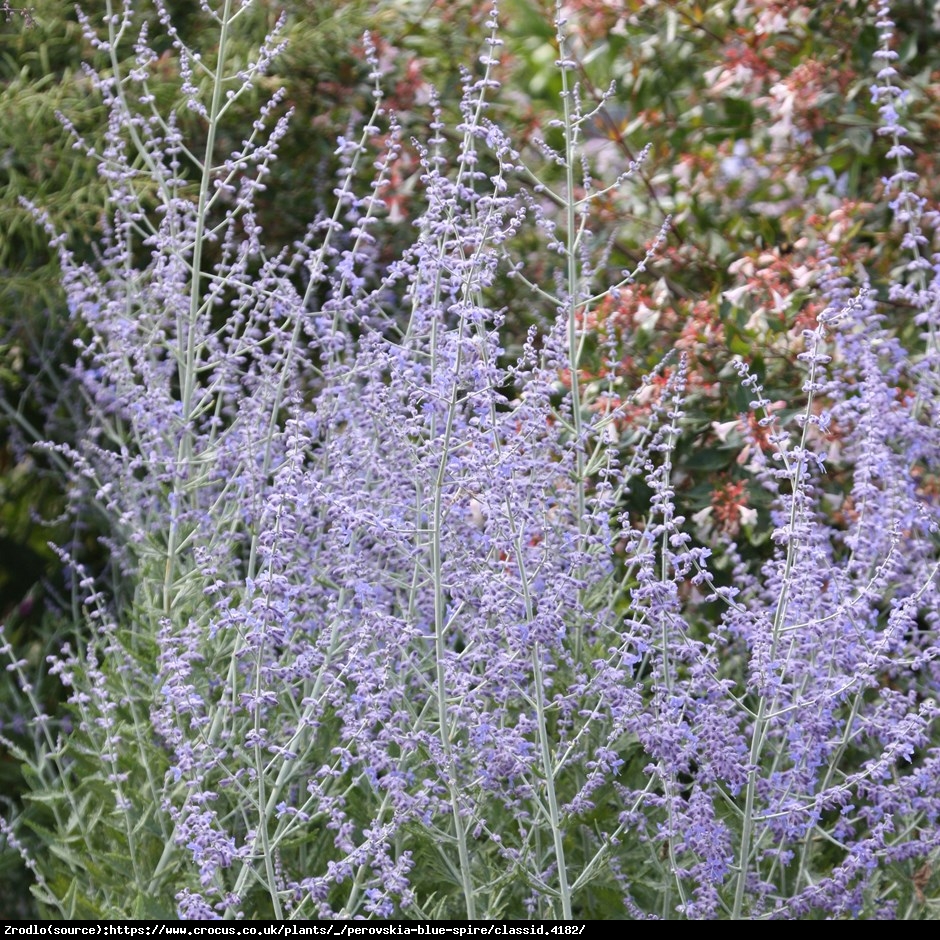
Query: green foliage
765, 154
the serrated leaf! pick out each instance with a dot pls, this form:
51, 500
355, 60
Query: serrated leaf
45, 834
71, 858
42, 894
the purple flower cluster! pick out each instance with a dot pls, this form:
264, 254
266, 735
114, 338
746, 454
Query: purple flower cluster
385, 642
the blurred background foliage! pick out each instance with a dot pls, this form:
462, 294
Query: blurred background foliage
764, 151
766, 154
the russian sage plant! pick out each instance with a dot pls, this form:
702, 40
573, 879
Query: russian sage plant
378, 637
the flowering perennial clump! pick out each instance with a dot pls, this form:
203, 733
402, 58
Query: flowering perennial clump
382, 632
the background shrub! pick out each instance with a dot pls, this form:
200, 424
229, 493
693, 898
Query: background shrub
489, 565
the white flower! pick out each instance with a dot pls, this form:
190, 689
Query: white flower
723, 428
735, 294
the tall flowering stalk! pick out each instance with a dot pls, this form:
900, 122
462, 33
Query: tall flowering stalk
382, 639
